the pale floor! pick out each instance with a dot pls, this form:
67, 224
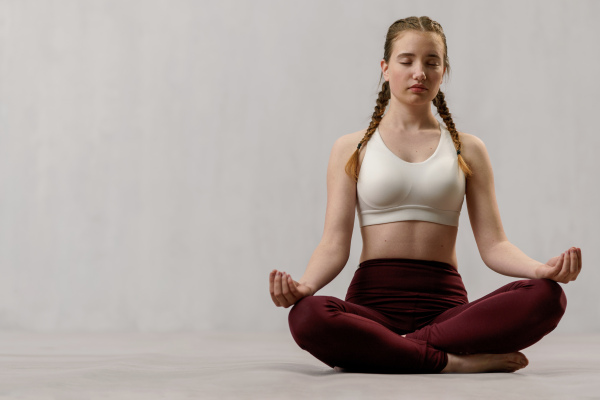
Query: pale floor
264, 366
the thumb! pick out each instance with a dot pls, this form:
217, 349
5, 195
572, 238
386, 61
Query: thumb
551, 270
551, 262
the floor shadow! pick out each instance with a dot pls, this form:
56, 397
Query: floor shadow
304, 369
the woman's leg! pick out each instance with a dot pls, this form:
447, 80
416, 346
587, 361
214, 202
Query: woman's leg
357, 338
507, 320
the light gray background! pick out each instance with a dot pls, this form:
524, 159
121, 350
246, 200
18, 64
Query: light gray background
159, 158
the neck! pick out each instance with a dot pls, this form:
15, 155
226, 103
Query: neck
409, 117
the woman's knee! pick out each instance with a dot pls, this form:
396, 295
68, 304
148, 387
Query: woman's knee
303, 315
552, 299
306, 316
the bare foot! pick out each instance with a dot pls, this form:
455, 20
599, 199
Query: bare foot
471, 363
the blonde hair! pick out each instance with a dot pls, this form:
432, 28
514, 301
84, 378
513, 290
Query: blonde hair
421, 24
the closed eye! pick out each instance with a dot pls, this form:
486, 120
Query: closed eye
433, 65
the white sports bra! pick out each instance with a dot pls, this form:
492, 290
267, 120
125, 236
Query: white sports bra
390, 189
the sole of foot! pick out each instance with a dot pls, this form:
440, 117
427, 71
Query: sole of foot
473, 363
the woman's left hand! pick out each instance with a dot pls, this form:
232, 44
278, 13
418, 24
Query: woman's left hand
563, 268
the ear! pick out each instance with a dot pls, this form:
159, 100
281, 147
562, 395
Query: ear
384, 68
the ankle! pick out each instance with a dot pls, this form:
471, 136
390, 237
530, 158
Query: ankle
450, 364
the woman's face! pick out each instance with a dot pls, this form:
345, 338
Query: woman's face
417, 59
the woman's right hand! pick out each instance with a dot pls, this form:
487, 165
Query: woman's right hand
563, 268
285, 291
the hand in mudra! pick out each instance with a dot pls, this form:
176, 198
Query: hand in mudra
563, 268
285, 291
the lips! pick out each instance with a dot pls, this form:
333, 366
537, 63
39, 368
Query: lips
418, 86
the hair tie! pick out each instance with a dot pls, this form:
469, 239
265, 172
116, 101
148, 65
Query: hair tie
457, 152
359, 146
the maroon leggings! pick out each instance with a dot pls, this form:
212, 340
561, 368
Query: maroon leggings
427, 301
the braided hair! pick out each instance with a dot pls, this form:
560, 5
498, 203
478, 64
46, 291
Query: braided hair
421, 24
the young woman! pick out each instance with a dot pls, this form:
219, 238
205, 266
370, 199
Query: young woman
406, 309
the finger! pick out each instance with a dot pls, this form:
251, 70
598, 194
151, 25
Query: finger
293, 290
286, 289
574, 263
580, 259
566, 268
272, 287
559, 268
272, 280
578, 265
567, 265
277, 287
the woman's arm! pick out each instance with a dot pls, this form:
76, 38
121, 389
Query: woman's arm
496, 251
507, 259
333, 251
326, 262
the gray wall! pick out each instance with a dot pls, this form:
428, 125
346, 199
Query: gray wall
159, 158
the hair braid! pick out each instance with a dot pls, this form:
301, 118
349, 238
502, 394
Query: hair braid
440, 103
382, 100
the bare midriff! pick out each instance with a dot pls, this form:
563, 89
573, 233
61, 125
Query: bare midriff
420, 240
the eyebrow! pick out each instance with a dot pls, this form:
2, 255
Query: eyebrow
412, 54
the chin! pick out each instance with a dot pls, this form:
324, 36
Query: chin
417, 102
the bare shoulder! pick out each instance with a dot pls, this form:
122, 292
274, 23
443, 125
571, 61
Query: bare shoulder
473, 149
345, 145
350, 140
468, 140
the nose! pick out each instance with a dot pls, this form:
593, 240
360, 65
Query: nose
419, 75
